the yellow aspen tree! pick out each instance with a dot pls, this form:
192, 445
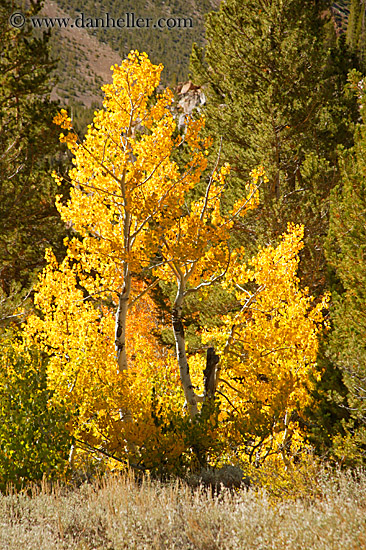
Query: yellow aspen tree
128, 202
268, 351
125, 185
133, 218
127, 208
195, 254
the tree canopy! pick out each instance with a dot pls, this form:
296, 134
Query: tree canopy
28, 218
274, 75
136, 226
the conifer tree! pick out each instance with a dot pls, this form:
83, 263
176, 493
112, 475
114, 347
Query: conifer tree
347, 255
28, 141
274, 95
356, 28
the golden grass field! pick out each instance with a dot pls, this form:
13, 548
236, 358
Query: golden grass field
118, 513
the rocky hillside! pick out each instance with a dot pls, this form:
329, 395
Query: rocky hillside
83, 62
340, 11
86, 54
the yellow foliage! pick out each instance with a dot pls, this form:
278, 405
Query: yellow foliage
268, 350
130, 217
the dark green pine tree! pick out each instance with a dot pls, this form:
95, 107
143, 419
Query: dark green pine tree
353, 23
29, 145
356, 29
274, 75
346, 251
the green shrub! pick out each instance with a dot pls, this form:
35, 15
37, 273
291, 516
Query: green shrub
34, 440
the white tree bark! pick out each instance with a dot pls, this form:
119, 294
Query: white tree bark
124, 297
191, 397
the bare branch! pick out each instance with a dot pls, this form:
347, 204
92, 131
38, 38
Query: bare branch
150, 287
247, 304
211, 281
228, 400
210, 182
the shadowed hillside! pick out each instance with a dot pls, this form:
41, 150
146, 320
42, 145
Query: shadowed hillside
85, 55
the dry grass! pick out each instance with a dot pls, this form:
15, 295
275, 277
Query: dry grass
118, 513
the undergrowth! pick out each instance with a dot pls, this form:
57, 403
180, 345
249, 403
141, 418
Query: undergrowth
119, 512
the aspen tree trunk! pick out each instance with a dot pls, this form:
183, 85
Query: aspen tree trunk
124, 297
120, 336
189, 393
121, 321
286, 439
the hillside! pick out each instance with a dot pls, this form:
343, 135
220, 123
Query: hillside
340, 14
83, 62
85, 55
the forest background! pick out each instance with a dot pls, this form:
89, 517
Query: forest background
252, 268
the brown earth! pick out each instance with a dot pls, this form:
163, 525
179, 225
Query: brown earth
92, 59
